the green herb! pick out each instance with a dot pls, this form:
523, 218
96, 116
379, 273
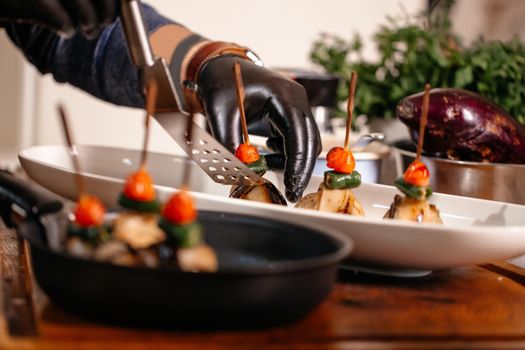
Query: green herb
414, 52
412, 191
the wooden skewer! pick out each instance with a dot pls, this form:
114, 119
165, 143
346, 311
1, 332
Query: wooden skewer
423, 121
151, 101
239, 88
72, 151
350, 107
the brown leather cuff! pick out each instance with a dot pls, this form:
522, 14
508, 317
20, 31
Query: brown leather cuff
200, 58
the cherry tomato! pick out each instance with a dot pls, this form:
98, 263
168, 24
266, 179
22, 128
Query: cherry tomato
247, 153
180, 209
341, 160
89, 211
417, 174
139, 187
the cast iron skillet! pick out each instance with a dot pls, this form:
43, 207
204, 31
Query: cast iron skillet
270, 272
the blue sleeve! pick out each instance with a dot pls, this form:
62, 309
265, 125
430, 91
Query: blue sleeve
101, 67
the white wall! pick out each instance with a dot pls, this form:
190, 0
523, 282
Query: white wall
281, 31
17, 82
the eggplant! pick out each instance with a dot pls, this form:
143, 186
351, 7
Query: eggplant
465, 126
138, 230
265, 192
332, 200
410, 209
199, 258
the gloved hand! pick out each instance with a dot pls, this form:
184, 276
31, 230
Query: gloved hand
63, 16
271, 96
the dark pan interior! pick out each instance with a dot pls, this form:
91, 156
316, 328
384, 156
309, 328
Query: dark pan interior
270, 273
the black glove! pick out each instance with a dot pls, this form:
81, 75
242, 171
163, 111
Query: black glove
63, 16
271, 96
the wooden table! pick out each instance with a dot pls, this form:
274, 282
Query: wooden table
472, 307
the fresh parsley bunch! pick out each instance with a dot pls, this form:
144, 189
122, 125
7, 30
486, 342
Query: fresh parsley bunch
414, 51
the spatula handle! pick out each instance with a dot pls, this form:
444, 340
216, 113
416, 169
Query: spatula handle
136, 34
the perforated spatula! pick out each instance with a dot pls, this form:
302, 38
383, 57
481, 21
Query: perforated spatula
216, 161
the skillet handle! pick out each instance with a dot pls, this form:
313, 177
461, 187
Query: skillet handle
34, 201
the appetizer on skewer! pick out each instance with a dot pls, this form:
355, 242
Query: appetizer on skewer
247, 153
88, 229
184, 243
335, 193
137, 225
414, 184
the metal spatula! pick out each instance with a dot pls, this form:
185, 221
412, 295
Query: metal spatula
219, 163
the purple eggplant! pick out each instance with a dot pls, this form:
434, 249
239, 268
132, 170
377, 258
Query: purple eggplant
463, 125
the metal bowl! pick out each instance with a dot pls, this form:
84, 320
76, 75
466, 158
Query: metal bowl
500, 182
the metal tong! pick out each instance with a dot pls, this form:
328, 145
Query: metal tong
211, 156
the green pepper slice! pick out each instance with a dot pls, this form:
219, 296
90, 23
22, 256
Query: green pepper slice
183, 236
145, 207
259, 166
91, 234
335, 180
416, 192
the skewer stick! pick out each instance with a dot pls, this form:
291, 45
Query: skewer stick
350, 108
72, 151
423, 121
151, 100
187, 166
239, 88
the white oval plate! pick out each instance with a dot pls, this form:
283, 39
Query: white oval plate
474, 231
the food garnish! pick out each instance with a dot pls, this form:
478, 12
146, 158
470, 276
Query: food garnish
415, 183
335, 194
89, 211
184, 237
139, 193
247, 153
88, 227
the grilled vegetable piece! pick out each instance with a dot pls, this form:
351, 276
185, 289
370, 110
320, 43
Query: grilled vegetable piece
466, 126
310, 201
199, 258
339, 201
417, 174
91, 234
138, 230
412, 191
332, 200
410, 209
247, 153
265, 192
260, 167
180, 209
79, 248
139, 186
335, 180
89, 211
184, 236
139, 193
341, 160
152, 206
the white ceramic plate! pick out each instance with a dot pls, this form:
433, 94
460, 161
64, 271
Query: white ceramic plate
474, 231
